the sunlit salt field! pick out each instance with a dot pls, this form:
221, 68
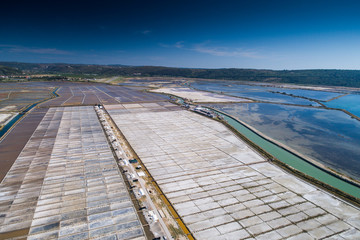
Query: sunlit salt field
219, 186
64, 182
326, 136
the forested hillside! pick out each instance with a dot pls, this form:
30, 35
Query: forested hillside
348, 78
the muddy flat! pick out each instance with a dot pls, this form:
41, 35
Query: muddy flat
14, 142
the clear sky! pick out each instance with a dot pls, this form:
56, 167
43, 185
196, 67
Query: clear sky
271, 34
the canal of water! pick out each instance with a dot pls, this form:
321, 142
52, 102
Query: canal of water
293, 160
14, 120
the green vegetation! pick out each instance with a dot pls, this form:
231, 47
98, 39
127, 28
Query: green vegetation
175, 232
347, 78
8, 71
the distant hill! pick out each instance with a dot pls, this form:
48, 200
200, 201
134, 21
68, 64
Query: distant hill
348, 78
8, 71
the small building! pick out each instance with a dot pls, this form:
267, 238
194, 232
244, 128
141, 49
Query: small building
153, 216
141, 192
133, 160
141, 174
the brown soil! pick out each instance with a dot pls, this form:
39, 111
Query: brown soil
14, 142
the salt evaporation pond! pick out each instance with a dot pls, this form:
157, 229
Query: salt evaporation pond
327, 136
350, 103
262, 93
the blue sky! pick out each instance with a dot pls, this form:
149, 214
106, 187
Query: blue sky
201, 34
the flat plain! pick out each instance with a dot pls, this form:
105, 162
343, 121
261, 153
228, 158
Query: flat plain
221, 188
65, 184
60, 179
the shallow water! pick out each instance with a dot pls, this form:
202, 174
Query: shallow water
350, 103
294, 161
259, 93
318, 95
326, 136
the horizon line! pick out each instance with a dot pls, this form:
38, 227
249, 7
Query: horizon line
205, 68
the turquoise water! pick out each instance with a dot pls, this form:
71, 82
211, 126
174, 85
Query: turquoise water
9, 124
20, 115
293, 160
350, 103
330, 137
326, 136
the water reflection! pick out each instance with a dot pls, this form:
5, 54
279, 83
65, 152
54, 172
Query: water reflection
318, 95
350, 102
262, 93
326, 136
